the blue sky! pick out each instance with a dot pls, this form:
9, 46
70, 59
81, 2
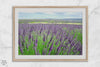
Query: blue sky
49, 15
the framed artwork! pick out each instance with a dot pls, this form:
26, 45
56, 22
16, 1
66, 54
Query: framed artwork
50, 33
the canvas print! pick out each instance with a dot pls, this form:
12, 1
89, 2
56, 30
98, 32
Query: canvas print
50, 33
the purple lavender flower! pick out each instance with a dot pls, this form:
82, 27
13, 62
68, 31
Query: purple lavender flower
27, 46
20, 45
36, 42
41, 30
58, 48
51, 39
57, 42
23, 32
44, 38
23, 38
21, 50
29, 36
31, 29
51, 47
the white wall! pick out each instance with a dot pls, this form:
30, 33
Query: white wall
6, 32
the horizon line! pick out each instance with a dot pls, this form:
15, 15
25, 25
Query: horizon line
63, 18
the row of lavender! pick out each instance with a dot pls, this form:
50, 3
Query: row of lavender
50, 39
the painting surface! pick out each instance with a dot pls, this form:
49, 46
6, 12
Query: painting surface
50, 33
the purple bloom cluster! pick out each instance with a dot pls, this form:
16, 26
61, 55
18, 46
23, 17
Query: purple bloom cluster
53, 39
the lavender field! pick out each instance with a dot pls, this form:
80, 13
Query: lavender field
50, 39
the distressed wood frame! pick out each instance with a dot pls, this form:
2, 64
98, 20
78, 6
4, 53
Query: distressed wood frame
13, 31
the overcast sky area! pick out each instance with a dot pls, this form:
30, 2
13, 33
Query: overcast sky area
50, 15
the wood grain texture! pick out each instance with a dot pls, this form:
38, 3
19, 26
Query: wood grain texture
13, 51
50, 7
13, 57
86, 33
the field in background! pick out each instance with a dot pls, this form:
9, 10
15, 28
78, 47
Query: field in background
53, 23
50, 20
